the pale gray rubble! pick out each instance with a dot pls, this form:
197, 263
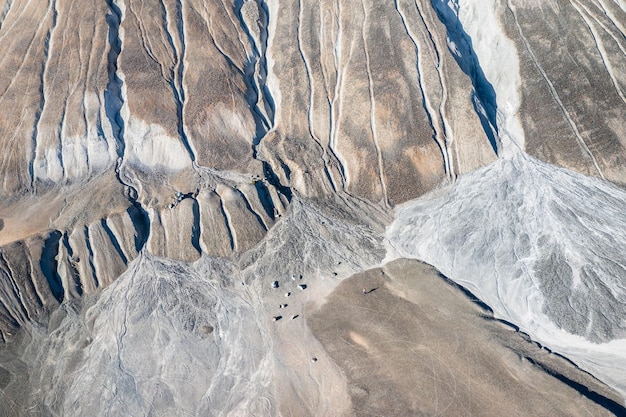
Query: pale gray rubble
540, 245
197, 338
179, 338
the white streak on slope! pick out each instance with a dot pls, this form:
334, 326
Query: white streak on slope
499, 61
556, 97
540, 245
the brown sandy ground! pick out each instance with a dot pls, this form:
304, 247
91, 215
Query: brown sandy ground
417, 345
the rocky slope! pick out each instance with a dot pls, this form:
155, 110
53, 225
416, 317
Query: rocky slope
203, 119
534, 244
185, 138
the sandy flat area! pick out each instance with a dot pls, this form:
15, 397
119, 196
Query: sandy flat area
415, 344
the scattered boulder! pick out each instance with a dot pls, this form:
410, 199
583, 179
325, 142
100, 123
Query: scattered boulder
206, 330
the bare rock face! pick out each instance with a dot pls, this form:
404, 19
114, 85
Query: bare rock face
550, 76
234, 107
573, 102
371, 90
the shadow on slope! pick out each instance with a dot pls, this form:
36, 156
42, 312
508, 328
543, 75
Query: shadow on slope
460, 45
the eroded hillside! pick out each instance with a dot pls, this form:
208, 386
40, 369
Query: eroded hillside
187, 137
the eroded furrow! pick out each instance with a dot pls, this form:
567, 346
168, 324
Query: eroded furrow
229, 225
460, 47
440, 136
372, 100
196, 229
114, 240
5, 11
36, 144
335, 102
311, 105
113, 97
175, 28
11, 291
554, 93
253, 21
589, 20
268, 99
92, 266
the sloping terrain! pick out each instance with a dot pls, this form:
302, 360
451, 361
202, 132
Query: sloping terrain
175, 338
534, 243
547, 76
187, 126
201, 150
415, 344
207, 345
